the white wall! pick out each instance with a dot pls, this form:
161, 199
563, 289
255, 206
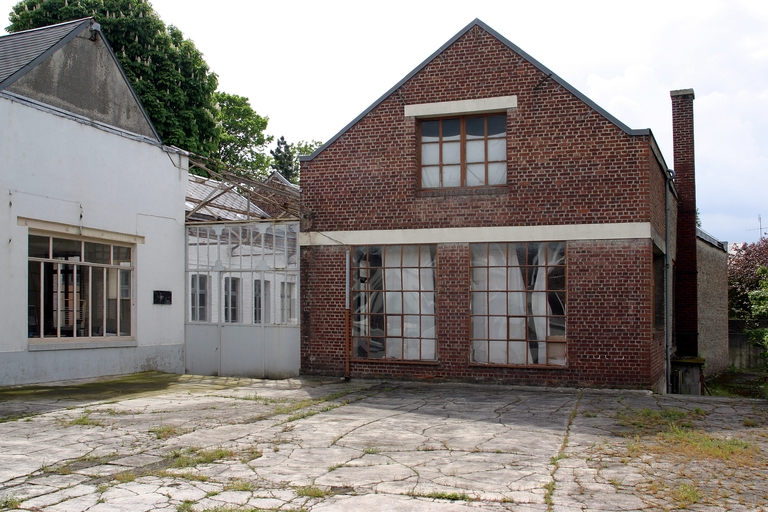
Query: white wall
59, 170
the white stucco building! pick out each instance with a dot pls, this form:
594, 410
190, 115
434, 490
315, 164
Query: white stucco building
92, 224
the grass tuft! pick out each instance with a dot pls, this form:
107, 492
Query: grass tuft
311, 491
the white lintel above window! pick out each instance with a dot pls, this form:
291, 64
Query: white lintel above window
68, 229
461, 107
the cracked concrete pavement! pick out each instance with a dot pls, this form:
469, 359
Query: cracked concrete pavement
183, 443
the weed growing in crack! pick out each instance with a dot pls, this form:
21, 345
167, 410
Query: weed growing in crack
686, 495
372, 450
311, 491
441, 495
240, 485
10, 502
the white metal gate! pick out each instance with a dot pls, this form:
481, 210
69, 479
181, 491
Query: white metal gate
242, 297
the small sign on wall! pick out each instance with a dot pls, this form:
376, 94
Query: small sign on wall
161, 297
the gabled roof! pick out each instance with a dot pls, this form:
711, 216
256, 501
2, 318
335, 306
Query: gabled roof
511, 46
21, 52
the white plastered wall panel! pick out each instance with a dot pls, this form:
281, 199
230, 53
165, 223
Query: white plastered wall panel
58, 170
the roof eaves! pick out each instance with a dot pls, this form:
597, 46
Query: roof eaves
513, 47
77, 27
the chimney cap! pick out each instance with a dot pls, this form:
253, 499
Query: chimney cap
682, 92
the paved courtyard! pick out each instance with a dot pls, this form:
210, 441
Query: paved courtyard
190, 443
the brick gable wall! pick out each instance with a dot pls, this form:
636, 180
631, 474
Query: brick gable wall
567, 164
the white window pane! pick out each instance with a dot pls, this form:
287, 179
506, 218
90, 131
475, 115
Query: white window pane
428, 303
430, 177
451, 153
497, 173
394, 303
411, 326
392, 255
392, 278
410, 255
411, 303
480, 327
497, 255
516, 328
452, 176
412, 349
427, 278
497, 352
475, 175
428, 327
410, 279
497, 327
516, 303
479, 351
497, 278
479, 255
497, 150
479, 303
428, 350
497, 303
518, 352
395, 347
480, 278
428, 257
394, 325
476, 151
430, 154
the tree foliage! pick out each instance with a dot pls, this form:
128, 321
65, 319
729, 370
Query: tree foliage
286, 157
167, 71
242, 140
743, 277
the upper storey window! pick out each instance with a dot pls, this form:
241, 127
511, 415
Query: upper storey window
467, 151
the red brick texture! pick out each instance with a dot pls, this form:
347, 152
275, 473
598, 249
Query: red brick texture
686, 276
567, 164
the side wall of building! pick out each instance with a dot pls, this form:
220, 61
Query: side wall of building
69, 174
712, 265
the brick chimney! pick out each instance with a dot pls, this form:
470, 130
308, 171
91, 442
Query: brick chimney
686, 278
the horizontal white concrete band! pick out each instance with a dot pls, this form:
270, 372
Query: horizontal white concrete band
78, 344
479, 234
478, 106
68, 229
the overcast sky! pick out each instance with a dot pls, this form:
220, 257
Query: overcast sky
313, 66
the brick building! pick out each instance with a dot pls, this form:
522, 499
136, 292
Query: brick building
485, 221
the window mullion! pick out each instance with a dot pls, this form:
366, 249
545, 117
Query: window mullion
463, 150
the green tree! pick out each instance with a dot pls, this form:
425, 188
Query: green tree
286, 157
743, 278
167, 71
242, 141
759, 301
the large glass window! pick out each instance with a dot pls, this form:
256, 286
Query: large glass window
393, 293
518, 303
78, 289
243, 273
464, 151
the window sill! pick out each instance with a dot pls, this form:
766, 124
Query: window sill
499, 190
521, 366
396, 361
35, 345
